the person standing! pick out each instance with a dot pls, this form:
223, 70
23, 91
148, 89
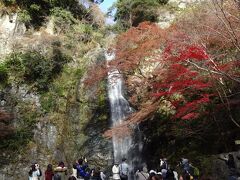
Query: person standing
142, 175
102, 175
116, 171
81, 166
124, 169
74, 170
96, 174
49, 172
34, 172
186, 174
60, 172
164, 168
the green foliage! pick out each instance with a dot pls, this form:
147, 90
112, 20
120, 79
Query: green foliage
35, 7
9, 2
132, 12
58, 95
24, 132
47, 101
3, 74
102, 95
19, 139
33, 13
162, 1
35, 69
83, 28
24, 16
81, 38
36, 12
78, 10
79, 72
63, 19
116, 28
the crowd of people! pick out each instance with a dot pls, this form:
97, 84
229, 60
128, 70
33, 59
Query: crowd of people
163, 172
80, 171
121, 171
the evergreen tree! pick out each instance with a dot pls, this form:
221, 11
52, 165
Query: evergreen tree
132, 12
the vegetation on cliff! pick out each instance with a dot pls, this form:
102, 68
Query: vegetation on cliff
35, 13
41, 80
132, 12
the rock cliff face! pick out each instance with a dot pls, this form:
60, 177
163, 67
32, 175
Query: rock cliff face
169, 12
59, 135
220, 169
10, 30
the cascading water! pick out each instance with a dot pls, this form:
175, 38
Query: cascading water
120, 109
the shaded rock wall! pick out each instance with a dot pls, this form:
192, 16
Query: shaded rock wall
59, 135
220, 169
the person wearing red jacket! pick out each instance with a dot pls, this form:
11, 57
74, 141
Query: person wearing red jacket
49, 172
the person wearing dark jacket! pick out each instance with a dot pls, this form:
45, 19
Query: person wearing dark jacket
96, 174
81, 166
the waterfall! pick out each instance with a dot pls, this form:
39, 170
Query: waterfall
126, 147
119, 110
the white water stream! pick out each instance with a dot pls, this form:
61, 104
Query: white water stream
119, 110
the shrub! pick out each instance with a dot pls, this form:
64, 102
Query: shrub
37, 11
36, 69
9, 2
131, 13
24, 16
63, 19
3, 74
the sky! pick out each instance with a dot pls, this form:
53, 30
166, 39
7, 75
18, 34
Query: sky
106, 4
104, 7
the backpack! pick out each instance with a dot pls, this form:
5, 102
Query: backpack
196, 171
56, 177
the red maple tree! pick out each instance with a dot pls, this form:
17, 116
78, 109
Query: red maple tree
180, 78
182, 68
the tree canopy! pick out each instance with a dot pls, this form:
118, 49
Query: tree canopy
132, 12
36, 12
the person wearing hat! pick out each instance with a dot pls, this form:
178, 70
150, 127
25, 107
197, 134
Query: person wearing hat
116, 171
